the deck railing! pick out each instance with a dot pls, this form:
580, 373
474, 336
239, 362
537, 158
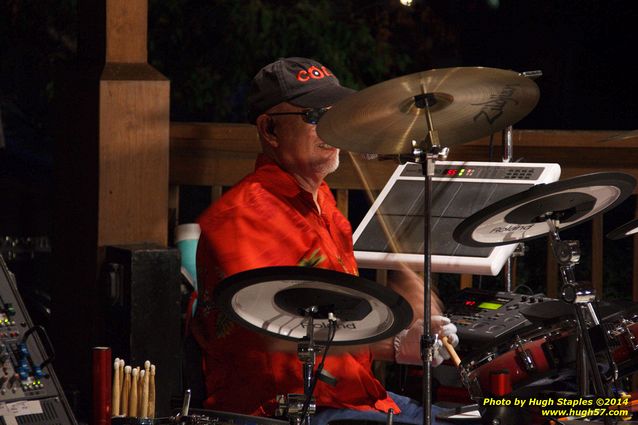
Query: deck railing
218, 155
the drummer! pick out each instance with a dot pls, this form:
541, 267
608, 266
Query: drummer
283, 214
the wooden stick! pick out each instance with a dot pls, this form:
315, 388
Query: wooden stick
451, 351
116, 389
122, 365
122, 384
140, 390
151, 392
126, 390
132, 404
144, 398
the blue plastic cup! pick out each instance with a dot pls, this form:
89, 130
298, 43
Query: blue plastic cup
186, 238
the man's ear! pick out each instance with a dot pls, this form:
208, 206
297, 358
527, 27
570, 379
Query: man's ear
266, 129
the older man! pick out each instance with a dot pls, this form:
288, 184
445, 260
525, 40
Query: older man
283, 214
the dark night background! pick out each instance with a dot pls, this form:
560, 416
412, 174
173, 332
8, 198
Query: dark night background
210, 49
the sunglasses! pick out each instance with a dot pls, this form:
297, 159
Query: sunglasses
311, 116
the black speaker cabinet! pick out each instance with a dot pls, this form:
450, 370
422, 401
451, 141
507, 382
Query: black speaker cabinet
143, 317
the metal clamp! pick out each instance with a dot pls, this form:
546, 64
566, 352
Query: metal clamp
630, 336
524, 355
292, 406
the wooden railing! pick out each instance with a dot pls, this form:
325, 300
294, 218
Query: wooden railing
218, 155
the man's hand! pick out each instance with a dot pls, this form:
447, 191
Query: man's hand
407, 344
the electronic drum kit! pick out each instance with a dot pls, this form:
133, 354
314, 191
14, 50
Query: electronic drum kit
413, 117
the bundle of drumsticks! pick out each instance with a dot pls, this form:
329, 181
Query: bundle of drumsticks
133, 390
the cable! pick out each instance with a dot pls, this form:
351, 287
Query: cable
522, 285
332, 331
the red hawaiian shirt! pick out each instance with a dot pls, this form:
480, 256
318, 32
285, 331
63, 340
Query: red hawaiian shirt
268, 220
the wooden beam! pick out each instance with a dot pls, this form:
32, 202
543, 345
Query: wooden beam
342, 201
216, 192
207, 154
133, 155
552, 272
597, 255
635, 257
127, 23
466, 281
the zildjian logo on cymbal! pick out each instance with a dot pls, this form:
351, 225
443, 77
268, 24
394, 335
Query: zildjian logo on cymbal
494, 108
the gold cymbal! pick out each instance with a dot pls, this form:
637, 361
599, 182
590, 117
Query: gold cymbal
470, 103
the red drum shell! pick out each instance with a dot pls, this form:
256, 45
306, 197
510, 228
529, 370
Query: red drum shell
624, 354
538, 344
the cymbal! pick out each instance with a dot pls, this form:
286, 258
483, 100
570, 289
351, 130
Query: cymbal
627, 229
271, 301
469, 103
523, 216
626, 135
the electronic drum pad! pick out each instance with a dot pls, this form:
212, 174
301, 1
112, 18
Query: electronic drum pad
272, 301
523, 216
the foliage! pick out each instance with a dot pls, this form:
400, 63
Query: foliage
211, 49
34, 45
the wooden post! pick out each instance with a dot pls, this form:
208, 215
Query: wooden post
552, 272
112, 149
342, 201
597, 255
635, 257
133, 155
466, 281
173, 206
216, 192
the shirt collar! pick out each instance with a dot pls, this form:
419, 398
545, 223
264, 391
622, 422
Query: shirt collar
280, 182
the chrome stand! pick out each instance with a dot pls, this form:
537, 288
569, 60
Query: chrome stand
427, 155
507, 153
299, 407
582, 296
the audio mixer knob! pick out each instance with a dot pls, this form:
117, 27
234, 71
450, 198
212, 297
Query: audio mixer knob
24, 351
37, 372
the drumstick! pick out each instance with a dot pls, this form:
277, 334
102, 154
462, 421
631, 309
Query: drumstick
144, 398
140, 390
115, 391
126, 390
451, 351
145, 389
151, 392
132, 404
122, 364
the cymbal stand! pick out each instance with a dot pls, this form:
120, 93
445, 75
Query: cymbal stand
582, 296
299, 407
507, 154
427, 155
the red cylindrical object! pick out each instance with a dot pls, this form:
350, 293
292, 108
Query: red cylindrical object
102, 370
500, 382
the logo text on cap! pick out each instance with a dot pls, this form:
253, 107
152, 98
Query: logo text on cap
313, 73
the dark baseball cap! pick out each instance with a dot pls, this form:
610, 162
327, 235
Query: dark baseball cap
300, 81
